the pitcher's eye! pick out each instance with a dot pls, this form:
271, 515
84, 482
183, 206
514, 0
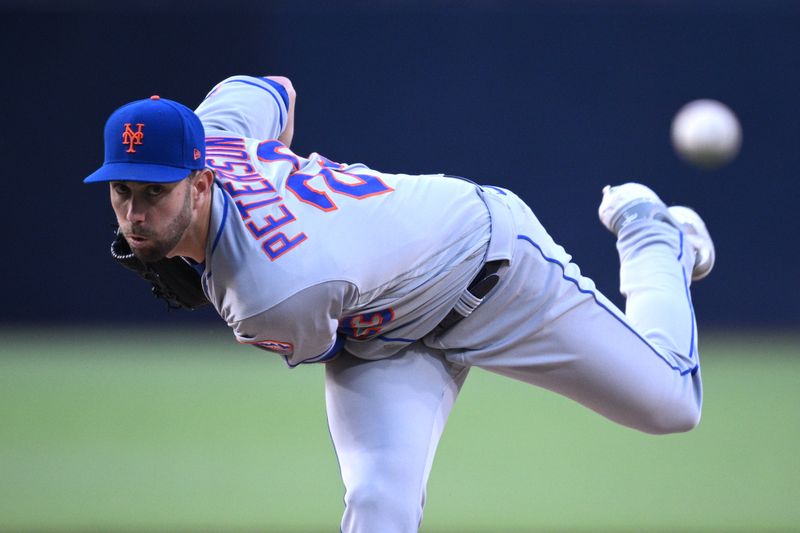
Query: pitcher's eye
121, 189
155, 190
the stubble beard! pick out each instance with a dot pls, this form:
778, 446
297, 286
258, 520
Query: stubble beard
159, 247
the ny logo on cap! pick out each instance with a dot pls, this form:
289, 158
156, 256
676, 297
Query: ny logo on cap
131, 137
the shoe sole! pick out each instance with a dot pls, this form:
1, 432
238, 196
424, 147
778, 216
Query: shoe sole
697, 234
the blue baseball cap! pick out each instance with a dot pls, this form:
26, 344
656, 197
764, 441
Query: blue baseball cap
154, 140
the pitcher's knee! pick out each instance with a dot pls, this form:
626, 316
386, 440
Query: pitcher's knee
679, 419
379, 506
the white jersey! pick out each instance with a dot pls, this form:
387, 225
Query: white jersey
305, 255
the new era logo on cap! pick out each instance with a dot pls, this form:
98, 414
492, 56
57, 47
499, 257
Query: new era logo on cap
152, 140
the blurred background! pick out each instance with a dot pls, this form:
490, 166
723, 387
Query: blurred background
116, 415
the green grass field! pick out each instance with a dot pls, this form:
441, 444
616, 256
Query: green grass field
147, 431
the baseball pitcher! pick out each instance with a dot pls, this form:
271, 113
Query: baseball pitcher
400, 284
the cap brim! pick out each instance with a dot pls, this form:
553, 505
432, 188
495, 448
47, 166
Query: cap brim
137, 172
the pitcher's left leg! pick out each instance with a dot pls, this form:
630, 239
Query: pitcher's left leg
385, 419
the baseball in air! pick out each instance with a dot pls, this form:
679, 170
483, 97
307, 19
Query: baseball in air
706, 133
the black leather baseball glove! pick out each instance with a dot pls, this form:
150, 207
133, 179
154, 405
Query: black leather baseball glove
174, 280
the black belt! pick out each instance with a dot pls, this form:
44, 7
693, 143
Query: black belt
479, 287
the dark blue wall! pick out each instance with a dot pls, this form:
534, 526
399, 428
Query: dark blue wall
551, 99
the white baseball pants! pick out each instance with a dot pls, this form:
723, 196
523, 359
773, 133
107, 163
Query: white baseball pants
544, 324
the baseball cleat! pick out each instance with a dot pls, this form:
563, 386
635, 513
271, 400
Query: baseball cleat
629, 202
697, 234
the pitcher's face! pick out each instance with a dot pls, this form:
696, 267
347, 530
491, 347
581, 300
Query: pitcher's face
152, 216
